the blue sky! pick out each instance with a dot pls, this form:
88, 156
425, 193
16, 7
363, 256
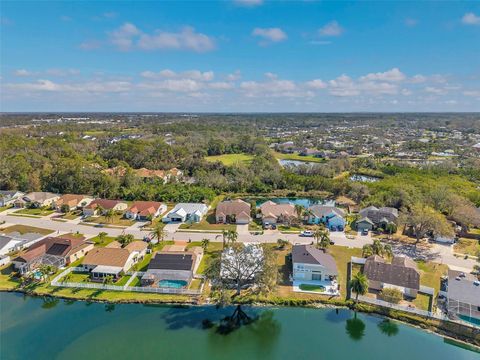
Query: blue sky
244, 55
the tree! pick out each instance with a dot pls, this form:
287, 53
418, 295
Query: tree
282, 243
108, 279
101, 236
224, 237
377, 248
232, 236
65, 208
359, 285
205, 243
241, 265
125, 239
423, 220
299, 210
158, 232
109, 214
322, 237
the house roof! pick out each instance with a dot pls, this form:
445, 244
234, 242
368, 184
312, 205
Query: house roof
308, 254
137, 246
401, 272
233, 207
462, 288
271, 209
53, 246
70, 200
172, 261
40, 196
104, 203
365, 219
145, 208
183, 209
4, 241
324, 210
107, 256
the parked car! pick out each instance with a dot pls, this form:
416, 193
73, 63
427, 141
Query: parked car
364, 232
340, 228
306, 233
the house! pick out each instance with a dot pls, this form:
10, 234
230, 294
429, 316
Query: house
104, 205
233, 211
186, 212
9, 244
72, 202
312, 264
372, 217
8, 197
172, 268
273, 213
40, 199
52, 251
331, 216
113, 260
463, 295
145, 210
401, 274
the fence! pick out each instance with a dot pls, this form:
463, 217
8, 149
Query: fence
56, 282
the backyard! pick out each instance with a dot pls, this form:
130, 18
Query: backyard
467, 246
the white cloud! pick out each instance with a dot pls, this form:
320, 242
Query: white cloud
332, 28
90, 45
221, 85
248, 3
270, 34
186, 39
344, 86
417, 79
22, 72
236, 75
391, 75
471, 19
406, 92
473, 93
316, 84
435, 90
189, 74
65, 18
91, 86
123, 37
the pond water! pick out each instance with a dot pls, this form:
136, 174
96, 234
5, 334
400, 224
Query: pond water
305, 202
34, 328
364, 178
285, 163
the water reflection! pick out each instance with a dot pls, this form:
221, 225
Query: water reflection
49, 302
388, 327
338, 315
355, 328
109, 307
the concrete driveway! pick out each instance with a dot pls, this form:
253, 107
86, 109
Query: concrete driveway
172, 227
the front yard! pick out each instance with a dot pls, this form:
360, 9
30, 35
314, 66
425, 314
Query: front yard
117, 219
102, 241
24, 229
467, 246
35, 212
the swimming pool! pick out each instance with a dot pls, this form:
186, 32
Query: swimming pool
172, 283
469, 319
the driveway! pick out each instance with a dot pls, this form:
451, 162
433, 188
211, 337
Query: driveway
243, 229
172, 228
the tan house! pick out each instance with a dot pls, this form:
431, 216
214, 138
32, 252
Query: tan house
113, 260
40, 199
273, 213
105, 205
73, 201
401, 274
233, 211
52, 251
145, 210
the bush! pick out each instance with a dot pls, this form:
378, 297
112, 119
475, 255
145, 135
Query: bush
391, 295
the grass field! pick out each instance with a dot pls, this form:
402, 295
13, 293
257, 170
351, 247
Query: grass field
212, 249
430, 274
102, 242
297, 157
467, 246
230, 159
23, 229
36, 212
115, 220
342, 256
3, 208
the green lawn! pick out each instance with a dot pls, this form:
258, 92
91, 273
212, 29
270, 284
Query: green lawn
71, 215
204, 225
230, 159
36, 212
195, 284
213, 247
143, 265
316, 288
78, 277
115, 220
106, 240
123, 280
3, 208
283, 228
467, 246
297, 157
23, 229
430, 274
342, 256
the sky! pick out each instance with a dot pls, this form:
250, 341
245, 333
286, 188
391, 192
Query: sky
240, 56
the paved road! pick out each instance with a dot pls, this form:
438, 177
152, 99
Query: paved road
437, 253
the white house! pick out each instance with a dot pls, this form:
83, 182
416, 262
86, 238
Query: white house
8, 197
312, 264
8, 244
186, 212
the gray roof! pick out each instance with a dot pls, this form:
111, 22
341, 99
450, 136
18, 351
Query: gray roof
4, 240
463, 290
324, 210
401, 272
308, 254
189, 208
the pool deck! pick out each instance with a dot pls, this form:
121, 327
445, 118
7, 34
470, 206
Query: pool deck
331, 288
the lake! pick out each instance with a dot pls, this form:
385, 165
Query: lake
364, 178
33, 328
294, 163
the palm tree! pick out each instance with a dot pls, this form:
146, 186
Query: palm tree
322, 238
359, 284
299, 210
101, 236
377, 248
99, 209
109, 215
224, 237
125, 239
205, 243
232, 236
158, 232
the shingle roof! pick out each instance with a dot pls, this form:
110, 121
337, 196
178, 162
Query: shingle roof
104, 203
272, 209
401, 272
145, 208
308, 254
324, 210
107, 256
53, 246
172, 261
70, 200
233, 207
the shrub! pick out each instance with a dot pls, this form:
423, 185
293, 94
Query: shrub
391, 295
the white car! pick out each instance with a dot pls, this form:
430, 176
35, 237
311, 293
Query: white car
306, 233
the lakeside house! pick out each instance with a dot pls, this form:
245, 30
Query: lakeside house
145, 210
8, 197
56, 251
186, 212
9, 244
103, 205
401, 274
233, 211
312, 264
463, 295
172, 268
113, 260
72, 202
273, 213
36, 199
373, 217
331, 216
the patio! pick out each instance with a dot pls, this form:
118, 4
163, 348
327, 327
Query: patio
317, 287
